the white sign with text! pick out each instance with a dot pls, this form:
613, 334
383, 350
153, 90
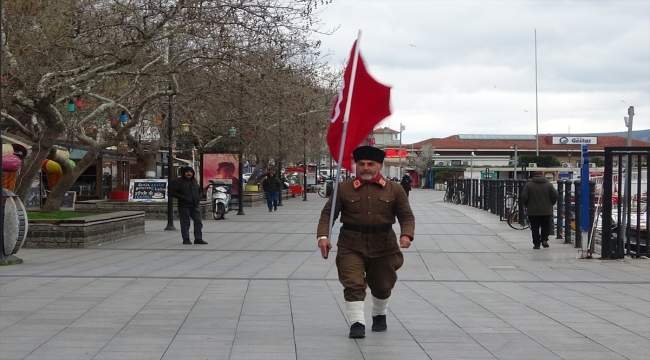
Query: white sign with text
575, 140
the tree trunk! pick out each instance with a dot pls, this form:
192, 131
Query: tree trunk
32, 164
55, 197
149, 160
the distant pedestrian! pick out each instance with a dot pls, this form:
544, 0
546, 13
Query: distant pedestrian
188, 192
272, 187
406, 184
539, 196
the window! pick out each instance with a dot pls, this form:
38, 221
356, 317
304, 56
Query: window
456, 163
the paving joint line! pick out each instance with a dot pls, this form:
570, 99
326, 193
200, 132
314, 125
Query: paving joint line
321, 279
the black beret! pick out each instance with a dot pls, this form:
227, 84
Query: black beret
369, 153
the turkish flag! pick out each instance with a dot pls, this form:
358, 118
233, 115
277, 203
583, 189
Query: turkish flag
369, 106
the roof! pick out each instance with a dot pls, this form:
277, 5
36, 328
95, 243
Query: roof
385, 130
545, 143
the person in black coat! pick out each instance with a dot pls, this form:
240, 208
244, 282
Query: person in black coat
272, 188
406, 184
188, 192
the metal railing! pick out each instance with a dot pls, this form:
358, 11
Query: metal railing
625, 218
498, 197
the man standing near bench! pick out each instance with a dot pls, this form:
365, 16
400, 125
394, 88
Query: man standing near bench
188, 192
368, 251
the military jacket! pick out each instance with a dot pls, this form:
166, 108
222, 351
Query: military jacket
369, 204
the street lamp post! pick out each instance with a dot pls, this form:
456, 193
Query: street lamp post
399, 170
515, 161
628, 173
170, 164
471, 167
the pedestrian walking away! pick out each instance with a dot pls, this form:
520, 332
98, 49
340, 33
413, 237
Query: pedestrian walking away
368, 253
188, 192
406, 184
272, 187
538, 197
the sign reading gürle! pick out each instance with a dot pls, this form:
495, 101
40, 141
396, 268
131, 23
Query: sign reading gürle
575, 140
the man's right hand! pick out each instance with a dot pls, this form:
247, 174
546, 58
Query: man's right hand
325, 245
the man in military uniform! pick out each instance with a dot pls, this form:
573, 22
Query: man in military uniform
368, 251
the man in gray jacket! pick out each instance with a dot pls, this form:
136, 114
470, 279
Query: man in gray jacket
539, 196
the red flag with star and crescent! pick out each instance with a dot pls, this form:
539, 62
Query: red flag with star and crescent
370, 105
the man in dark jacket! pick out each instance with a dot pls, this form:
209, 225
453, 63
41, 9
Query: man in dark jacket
406, 184
539, 196
188, 192
272, 187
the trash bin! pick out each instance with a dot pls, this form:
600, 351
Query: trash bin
329, 189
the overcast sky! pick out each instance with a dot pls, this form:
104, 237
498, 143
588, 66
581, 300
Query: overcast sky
468, 67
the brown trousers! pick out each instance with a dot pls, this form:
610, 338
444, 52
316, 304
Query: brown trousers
356, 272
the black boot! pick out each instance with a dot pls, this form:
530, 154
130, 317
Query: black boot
200, 242
545, 243
187, 242
379, 323
357, 331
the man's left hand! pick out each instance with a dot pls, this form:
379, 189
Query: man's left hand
404, 242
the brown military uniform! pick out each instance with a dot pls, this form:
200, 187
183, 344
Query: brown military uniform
369, 253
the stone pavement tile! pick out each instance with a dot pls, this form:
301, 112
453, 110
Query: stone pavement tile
407, 349
441, 267
588, 355
81, 343
554, 342
202, 341
459, 353
196, 354
22, 349
265, 356
142, 345
518, 353
63, 353
596, 328
629, 346
505, 340
128, 355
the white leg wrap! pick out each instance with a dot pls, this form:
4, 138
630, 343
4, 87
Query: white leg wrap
355, 312
379, 307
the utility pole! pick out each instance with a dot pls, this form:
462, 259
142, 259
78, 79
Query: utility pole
399, 154
628, 173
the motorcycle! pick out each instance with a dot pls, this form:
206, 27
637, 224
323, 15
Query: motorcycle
220, 197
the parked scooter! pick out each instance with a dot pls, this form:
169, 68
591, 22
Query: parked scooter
218, 193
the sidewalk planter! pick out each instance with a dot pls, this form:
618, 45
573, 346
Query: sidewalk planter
152, 211
84, 231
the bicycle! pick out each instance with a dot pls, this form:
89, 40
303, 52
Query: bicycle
458, 197
448, 193
515, 221
322, 190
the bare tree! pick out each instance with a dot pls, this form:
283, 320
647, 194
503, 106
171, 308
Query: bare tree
122, 56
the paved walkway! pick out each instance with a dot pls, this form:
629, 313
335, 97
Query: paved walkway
471, 288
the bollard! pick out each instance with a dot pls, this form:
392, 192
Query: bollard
578, 212
560, 209
567, 212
